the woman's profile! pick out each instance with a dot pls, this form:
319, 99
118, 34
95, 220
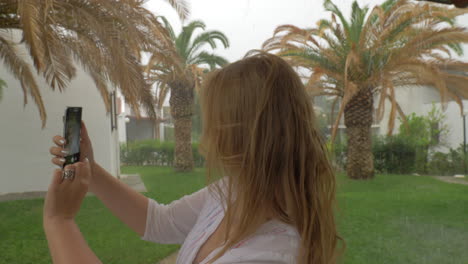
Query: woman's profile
272, 189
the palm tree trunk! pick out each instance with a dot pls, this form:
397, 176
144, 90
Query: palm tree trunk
358, 121
181, 102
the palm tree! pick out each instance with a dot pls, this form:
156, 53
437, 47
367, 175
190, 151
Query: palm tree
367, 57
179, 67
104, 36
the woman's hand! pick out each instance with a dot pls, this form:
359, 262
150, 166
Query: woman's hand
64, 197
62, 203
86, 149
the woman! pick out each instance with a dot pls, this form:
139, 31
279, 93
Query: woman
273, 190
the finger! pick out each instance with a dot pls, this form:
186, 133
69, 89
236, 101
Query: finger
58, 151
56, 179
60, 141
58, 161
85, 142
69, 167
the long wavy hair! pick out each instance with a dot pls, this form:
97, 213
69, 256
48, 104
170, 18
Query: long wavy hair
260, 132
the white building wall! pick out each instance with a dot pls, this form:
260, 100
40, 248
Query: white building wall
126, 111
121, 123
25, 161
121, 127
454, 122
411, 100
419, 100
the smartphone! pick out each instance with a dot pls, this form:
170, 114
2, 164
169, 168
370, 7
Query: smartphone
71, 133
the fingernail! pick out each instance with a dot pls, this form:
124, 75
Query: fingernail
86, 159
62, 160
62, 141
65, 151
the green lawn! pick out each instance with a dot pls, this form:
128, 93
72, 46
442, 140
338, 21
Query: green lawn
392, 219
22, 239
404, 219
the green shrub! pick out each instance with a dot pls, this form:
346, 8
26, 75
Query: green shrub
153, 152
440, 164
398, 155
393, 154
447, 164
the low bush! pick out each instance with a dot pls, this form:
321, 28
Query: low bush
396, 155
154, 152
393, 154
447, 164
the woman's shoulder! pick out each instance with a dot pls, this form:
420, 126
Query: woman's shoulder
273, 242
276, 235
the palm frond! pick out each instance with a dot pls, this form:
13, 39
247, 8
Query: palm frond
429, 40
393, 109
286, 28
182, 8
210, 59
388, 4
181, 60
21, 71
30, 20
167, 26
183, 40
377, 15
330, 6
59, 69
348, 95
358, 16
2, 86
382, 96
105, 37
208, 37
456, 47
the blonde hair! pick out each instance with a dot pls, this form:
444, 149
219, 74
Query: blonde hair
259, 130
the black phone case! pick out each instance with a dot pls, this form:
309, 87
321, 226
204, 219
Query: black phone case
75, 157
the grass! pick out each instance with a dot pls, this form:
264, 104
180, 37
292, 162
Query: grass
391, 219
403, 219
22, 240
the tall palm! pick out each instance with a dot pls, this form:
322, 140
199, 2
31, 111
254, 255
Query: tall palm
179, 67
104, 36
367, 57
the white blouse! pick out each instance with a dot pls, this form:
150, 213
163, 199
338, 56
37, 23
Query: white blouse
191, 220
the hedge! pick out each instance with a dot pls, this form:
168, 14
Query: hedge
154, 152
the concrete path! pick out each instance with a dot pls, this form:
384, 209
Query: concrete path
132, 180
170, 260
451, 179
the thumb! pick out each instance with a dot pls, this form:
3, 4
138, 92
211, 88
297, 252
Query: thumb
84, 132
84, 170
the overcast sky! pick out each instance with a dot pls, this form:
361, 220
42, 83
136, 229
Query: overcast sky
248, 23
